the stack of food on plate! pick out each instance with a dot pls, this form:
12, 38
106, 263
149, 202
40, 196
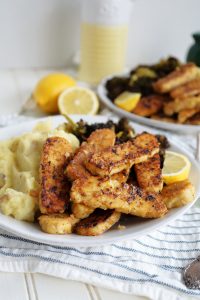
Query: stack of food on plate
83, 178
168, 91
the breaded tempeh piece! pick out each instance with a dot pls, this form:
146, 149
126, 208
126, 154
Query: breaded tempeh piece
124, 198
97, 223
189, 89
185, 114
149, 105
194, 120
121, 157
178, 194
179, 104
182, 75
169, 108
54, 195
99, 139
163, 119
57, 223
149, 174
81, 211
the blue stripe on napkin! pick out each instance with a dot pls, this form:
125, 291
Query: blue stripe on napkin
156, 259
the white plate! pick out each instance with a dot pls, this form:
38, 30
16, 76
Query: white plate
102, 92
134, 226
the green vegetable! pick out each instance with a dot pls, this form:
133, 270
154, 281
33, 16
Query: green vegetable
82, 129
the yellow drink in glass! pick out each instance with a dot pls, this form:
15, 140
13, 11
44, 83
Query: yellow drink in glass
103, 51
104, 31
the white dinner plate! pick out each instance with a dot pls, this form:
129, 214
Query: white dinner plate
134, 226
102, 93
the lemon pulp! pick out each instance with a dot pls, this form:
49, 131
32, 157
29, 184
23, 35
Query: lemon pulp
176, 167
78, 100
127, 100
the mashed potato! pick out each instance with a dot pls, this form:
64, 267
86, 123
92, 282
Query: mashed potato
19, 170
19, 205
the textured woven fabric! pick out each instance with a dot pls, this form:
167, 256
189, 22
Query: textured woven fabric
151, 265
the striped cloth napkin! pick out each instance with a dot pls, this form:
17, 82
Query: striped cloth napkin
149, 266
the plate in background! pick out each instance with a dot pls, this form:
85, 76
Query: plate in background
102, 93
134, 226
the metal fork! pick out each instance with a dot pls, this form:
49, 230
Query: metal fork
191, 274
198, 147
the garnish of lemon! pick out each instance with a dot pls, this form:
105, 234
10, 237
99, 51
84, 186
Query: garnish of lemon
49, 88
78, 100
127, 100
176, 167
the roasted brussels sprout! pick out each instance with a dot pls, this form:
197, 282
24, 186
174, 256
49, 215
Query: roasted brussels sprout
141, 78
159, 70
166, 66
82, 129
115, 86
164, 144
141, 85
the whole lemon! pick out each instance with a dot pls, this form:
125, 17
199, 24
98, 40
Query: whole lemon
49, 88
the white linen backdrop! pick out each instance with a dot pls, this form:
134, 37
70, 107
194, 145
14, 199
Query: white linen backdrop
45, 33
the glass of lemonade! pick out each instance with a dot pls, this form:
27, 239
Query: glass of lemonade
104, 30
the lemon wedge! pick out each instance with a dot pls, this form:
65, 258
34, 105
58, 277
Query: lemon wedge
176, 167
127, 100
78, 100
49, 88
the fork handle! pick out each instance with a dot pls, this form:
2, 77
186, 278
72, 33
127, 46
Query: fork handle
198, 147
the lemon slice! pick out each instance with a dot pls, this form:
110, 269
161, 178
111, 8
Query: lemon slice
176, 167
78, 100
127, 100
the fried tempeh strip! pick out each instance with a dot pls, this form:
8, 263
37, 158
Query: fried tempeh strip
123, 198
179, 104
82, 211
121, 157
182, 75
163, 119
185, 114
57, 223
54, 195
195, 120
149, 105
169, 108
189, 89
97, 223
99, 139
149, 174
178, 194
